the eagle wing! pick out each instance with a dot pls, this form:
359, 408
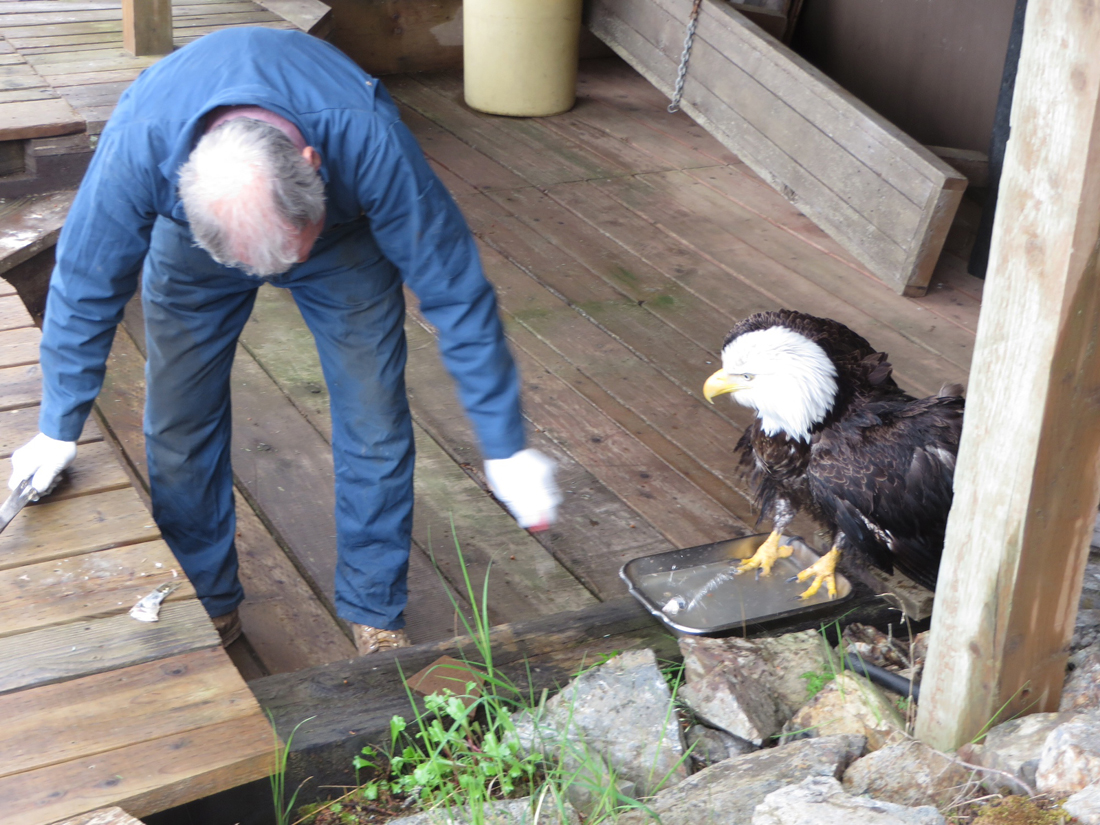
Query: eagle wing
882, 474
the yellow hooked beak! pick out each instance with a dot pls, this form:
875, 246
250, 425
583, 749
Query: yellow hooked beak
719, 384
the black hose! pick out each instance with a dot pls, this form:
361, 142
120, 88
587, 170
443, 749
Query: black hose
882, 677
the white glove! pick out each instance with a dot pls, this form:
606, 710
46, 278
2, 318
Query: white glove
42, 458
525, 484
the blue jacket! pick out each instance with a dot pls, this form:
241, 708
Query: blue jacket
371, 165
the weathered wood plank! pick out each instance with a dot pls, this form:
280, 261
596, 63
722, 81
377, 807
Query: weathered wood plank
47, 655
311, 16
596, 531
19, 346
619, 154
118, 709
523, 149
671, 503
525, 578
1019, 531
23, 80
95, 470
20, 387
147, 776
13, 314
17, 427
29, 225
474, 169
71, 588
831, 274
34, 93
82, 78
104, 816
56, 530
21, 120
776, 281
95, 94
843, 165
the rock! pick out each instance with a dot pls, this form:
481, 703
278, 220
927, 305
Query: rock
820, 800
749, 687
708, 745
1013, 748
737, 700
729, 791
909, 773
1081, 690
1086, 630
1070, 759
617, 715
848, 704
507, 812
1084, 806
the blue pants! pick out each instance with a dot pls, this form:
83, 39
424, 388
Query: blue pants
351, 298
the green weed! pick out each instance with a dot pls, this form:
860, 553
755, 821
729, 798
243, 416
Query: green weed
278, 777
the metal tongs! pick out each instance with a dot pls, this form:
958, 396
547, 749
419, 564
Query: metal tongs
10, 509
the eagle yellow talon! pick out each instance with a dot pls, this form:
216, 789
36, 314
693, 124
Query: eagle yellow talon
823, 570
766, 555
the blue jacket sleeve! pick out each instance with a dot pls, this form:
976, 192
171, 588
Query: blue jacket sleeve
421, 230
99, 255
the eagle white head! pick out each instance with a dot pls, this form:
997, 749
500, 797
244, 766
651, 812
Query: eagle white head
784, 376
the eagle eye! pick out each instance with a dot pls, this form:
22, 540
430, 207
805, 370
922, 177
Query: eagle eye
748, 376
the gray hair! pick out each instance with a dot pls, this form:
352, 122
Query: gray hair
247, 191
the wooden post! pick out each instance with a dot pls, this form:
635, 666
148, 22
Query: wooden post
1028, 475
147, 27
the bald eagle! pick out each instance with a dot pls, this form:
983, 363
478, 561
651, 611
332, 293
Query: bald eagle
836, 437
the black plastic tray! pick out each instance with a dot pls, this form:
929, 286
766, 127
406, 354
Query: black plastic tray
736, 603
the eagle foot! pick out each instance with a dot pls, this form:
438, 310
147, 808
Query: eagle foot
823, 571
766, 555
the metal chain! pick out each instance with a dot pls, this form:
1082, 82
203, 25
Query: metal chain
681, 74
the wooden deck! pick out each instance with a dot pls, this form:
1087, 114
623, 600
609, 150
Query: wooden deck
624, 242
101, 709
62, 64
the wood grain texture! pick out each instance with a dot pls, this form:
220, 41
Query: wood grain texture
103, 583
22, 120
596, 531
57, 653
146, 776
20, 387
17, 427
117, 709
58, 530
104, 816
450, 506
876, 191
13, 314
1028, 475
29, 225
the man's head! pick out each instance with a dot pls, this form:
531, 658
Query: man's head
254, 200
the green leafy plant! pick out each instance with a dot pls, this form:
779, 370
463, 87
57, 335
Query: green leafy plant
816, 681
462, 751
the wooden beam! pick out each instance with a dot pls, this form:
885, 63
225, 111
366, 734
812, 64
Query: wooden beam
1028, 475
883, 196
147, 27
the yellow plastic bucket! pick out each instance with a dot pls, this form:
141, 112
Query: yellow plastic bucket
520, 56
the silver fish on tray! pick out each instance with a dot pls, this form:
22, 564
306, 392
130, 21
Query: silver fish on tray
148, 607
